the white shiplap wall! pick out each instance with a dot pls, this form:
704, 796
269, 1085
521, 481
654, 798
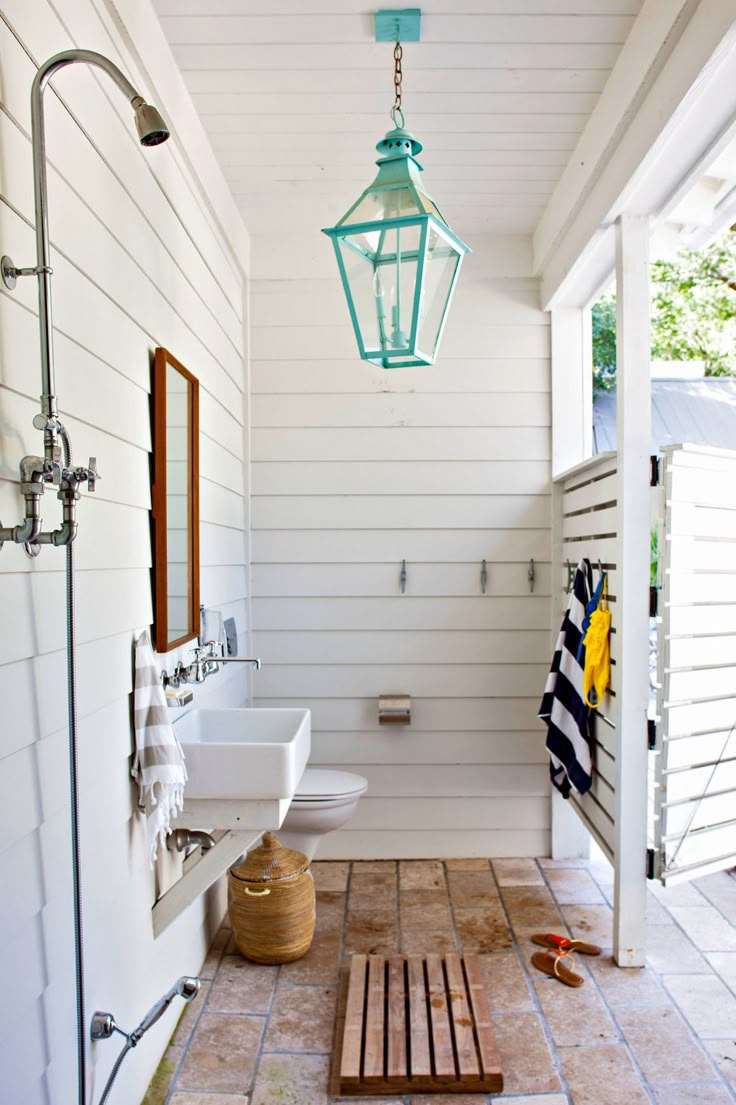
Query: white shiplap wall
355, 469
140, 258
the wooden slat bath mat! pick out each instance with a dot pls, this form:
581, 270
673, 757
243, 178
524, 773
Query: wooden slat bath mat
409, 1024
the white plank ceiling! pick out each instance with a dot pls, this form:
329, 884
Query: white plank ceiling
294, 100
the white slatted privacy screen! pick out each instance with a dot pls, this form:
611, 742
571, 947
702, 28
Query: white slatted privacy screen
585, 512
695, 826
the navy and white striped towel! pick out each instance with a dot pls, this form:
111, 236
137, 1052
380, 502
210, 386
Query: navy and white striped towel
563, 707
158, 766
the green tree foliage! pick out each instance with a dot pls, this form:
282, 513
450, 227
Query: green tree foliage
693, 313
604, 343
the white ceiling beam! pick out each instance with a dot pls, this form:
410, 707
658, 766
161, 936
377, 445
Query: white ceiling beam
698, 207
650, 43
676, 110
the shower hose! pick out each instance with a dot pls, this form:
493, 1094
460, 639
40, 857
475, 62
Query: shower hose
71, 670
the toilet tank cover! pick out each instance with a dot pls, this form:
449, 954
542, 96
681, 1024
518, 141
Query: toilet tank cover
323, 783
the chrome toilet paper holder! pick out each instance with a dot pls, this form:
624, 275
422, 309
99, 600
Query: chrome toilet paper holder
394, 709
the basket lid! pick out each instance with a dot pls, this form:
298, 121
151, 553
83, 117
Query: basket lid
270, 862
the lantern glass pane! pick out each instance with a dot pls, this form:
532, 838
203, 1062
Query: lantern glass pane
394, 203
429, 206
359, 272
381, 271
439, 272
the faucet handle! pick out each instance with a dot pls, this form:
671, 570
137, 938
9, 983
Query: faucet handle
89, 474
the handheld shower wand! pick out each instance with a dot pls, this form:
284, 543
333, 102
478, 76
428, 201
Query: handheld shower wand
104, 1025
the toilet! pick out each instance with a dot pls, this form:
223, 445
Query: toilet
324, 800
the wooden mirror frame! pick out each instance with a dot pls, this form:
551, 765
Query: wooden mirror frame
162, 361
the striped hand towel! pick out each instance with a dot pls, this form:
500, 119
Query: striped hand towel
158, 766
563, 707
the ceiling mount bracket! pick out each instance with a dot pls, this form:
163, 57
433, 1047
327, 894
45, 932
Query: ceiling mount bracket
398, 25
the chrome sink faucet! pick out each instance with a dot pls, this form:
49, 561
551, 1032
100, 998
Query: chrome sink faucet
215, 653
207, 660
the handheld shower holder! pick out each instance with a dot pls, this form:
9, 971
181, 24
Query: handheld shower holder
103, 1025
10, 272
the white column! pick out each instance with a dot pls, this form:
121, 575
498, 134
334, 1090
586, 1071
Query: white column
631, 614
572, 387
572, 441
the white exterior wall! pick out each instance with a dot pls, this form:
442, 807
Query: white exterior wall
140, 259
356, 468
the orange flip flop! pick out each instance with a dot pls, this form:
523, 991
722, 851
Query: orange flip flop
562, 944
555, 966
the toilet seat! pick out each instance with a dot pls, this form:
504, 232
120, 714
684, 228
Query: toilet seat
322, 784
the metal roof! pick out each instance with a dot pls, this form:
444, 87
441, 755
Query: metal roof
697, 412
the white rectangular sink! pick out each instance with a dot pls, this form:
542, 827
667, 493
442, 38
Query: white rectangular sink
247, 752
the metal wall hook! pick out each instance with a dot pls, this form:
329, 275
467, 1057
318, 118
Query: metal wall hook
571, 569
531, 575
483, 577
403, 577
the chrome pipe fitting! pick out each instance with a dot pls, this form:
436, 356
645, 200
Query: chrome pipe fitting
179, 840
103, 1026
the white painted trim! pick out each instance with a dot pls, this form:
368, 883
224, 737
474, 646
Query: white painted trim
572, 441
632, 605
585, 466
236, 813
572, 391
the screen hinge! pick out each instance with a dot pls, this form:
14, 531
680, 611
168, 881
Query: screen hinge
651, 858
651, 734
653, 602
653, 471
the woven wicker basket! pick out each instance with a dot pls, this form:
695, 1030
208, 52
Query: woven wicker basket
272, 903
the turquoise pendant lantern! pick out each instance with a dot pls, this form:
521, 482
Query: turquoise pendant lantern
397, 256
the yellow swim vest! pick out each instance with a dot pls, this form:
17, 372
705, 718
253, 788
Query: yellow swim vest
597, 670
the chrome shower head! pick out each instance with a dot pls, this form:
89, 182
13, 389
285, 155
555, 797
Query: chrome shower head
152, 130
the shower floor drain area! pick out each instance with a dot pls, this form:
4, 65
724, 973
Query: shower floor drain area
410, 1024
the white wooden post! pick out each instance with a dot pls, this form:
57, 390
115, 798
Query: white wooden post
633, 399
572, 387
572, 441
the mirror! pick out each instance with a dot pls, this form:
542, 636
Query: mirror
175, 503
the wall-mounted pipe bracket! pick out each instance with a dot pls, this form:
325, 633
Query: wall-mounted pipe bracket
10, 272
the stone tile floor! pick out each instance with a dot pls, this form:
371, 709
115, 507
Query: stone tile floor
663, 1035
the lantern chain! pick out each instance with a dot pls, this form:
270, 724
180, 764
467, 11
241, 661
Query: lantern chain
398, 54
